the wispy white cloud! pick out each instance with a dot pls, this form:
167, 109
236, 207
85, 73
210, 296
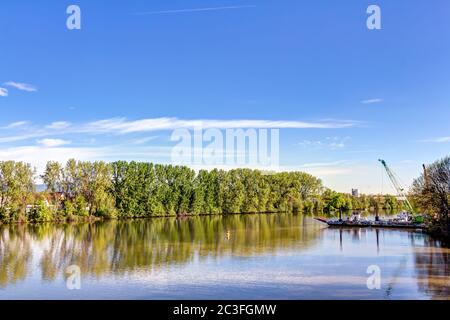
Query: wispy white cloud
332, 143
194, 10
122, 125
324, 164
50, 143
310, 143
23, 136
14, 125
144, 140
370, 101
443, 139
326, 169
58, 125
325, 172
21, 86
3, 92
437, 140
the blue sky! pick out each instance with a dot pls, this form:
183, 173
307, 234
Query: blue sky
311, 62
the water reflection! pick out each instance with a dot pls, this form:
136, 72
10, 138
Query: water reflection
240, 256
124, 246
15, 254
432, 264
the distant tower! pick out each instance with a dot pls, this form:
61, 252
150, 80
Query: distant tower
355, 192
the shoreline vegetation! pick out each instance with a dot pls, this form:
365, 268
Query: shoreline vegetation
89, 191
431, 193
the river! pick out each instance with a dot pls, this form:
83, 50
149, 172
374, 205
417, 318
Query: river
260, 256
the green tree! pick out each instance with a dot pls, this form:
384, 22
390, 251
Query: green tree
334, 201
432, 193
41, 212
16, 189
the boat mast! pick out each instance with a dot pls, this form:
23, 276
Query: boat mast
398, 187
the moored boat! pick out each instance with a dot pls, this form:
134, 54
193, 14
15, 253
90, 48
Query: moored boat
402, 221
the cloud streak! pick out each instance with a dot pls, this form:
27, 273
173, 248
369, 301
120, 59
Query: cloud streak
371, 101
193, 10
332, 143
17, 124
21, 86
124, 126
3, 92
58, 125
51, 143
437, 140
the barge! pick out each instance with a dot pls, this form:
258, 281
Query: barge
403, 221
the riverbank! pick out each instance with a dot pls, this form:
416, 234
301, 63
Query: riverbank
440, 232
82, 219
435, 232
74, 219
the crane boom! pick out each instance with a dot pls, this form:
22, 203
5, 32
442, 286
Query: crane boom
398, 187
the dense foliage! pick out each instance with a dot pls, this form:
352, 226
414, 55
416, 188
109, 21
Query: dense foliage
431, 191
16, 188
84, 190
145, 189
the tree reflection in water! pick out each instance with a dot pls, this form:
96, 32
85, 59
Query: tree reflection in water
432, 261
298, 252
124, 246
15, 254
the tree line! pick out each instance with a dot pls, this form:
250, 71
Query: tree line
84, 190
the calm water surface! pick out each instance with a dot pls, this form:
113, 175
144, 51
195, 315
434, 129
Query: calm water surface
280, 256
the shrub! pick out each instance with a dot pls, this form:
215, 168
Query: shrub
41, 212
